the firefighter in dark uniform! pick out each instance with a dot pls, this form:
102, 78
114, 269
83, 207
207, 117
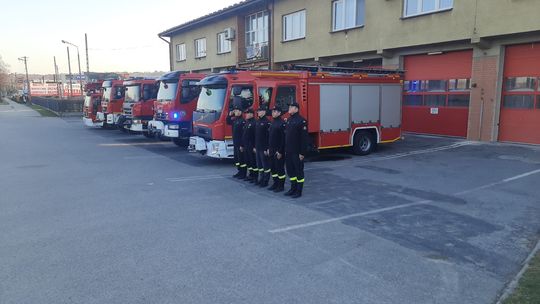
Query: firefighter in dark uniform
237, 121
296, 145
276, 150
261, 146
248, 146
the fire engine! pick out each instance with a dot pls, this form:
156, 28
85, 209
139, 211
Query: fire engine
344, 107
111, 103
176, 101
92, 104
138, 107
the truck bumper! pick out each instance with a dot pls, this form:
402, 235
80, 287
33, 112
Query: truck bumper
112, 119
156, 127
100, 116
213, 148
90, 123
171, 133
137, 127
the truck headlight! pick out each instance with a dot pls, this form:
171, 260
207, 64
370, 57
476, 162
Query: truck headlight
174, 127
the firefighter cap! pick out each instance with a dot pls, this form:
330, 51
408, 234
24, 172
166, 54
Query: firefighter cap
294, 104
277, 109
249, 110
262, 108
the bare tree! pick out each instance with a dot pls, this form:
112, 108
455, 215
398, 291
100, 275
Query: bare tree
4, 78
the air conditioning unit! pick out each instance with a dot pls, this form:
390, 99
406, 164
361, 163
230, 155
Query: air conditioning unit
229, 33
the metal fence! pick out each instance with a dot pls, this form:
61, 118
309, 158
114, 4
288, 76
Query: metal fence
60, 106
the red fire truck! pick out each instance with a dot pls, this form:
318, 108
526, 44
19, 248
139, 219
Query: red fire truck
356, 108
138, 108
176, 101
111, 103
92, 104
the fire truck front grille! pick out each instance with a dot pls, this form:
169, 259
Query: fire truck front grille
127, 110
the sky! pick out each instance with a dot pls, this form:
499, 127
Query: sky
122, 34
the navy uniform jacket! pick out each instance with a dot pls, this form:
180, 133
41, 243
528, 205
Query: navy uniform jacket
261, 134
296, 135
237, 129
248, 136
276, 141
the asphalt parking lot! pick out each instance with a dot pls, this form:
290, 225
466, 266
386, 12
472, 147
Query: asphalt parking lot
99, 216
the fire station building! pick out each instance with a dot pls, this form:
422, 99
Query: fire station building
472, 67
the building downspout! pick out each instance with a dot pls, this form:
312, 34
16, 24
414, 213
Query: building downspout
170, 52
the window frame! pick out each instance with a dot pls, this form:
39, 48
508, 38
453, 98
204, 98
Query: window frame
284, 28
345, 28
419, 12
178, 58
197, 56
534, 93
421, 90
219, 44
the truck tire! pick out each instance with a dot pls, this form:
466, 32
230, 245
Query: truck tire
148, 135
181, 142
364, 143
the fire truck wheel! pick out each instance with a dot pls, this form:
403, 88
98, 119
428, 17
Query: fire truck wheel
364, 143
148, 134
164, 138
181, 142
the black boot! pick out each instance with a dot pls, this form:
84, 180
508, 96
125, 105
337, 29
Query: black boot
237, 175
255, 177
281, 186
242, 173
275, 184
259, 177
265, 180
249, 175
298, 192
293, 189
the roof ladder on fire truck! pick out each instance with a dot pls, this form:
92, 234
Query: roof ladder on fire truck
342, 70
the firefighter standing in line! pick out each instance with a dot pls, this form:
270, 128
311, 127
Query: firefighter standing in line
276, 150
248, 146
296, 144
261, 146
235, 119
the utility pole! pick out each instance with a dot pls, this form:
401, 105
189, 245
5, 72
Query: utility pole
87, 64
25, 59
79, 61
56, 78
70, 75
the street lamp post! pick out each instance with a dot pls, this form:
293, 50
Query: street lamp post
70, 75
79, 62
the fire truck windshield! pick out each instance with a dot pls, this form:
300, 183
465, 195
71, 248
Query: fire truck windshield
107, 94
211, 99
133, 93
167, 91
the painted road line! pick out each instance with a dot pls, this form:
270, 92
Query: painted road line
345, 217
504, 181
16, 111
425, 202
135, 144
143, 157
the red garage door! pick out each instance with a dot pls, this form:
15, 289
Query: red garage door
437, 93
520, 106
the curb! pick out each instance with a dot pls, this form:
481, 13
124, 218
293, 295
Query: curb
512, 285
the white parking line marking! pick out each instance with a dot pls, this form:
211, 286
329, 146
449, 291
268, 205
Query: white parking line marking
504, 181
425, 202
341, 218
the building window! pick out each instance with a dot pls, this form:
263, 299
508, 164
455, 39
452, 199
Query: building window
419, 7
521, 93
200, 48
347, 14
181, 52
294, 26
437, 93
224, 45
257, 29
